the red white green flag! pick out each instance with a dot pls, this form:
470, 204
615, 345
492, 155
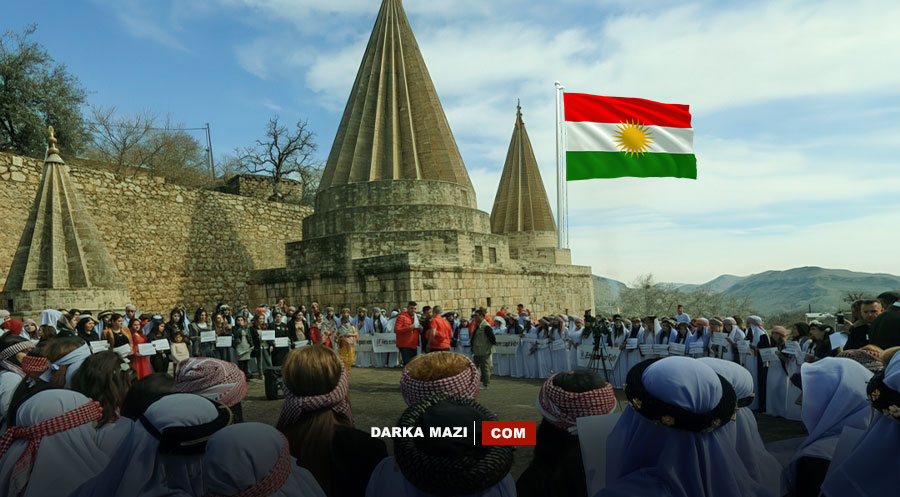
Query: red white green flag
615, 137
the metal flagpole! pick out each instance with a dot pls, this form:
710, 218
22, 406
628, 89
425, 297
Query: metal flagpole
560, 175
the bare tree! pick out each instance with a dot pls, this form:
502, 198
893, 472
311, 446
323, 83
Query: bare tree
116, 140
282, 153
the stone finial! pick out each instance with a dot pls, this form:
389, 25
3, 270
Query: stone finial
53, 142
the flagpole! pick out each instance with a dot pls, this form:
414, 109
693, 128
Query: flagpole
560, 175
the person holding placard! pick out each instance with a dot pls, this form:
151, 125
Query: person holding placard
620, 368
820, 346
281, 331
262, 338
734, 334
559, 354
758, 338
85, 329
345, 339
242, 344
633, 340
777, 380
140, 364
159, 360
364, 325
201, 324
117, 336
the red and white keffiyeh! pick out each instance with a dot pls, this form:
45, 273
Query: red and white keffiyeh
217, 380
34, 365
295, 405
10, 352
272, 482
465, 384
87, 413
562, 408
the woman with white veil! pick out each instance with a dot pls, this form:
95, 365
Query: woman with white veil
759, 339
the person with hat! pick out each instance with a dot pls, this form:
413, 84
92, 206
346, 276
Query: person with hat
254, 460
439, 372
677, 437
447, 467
834, 397
53, 448
130, 313
364, 326
557, 468
12, 350
317, 420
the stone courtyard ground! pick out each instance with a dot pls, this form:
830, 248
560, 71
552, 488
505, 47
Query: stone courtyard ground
376, 400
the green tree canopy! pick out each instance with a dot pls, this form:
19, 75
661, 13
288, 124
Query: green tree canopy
36, 92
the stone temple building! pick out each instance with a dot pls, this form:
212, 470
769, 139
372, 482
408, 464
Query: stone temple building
61, 260
395, 215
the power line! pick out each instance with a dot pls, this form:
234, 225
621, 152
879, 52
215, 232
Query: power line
154, 129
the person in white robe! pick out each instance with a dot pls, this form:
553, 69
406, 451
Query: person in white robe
364, 325
636, 334
386, 359
620, 330
527, 351
542, 353
502, 362
758, 338
559, 354
777, 379
573, 341
664, 332
701, 335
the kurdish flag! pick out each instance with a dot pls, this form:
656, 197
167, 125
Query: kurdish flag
613, 137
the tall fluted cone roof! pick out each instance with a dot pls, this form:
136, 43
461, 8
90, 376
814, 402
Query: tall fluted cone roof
60, 247
393, 126
521, 203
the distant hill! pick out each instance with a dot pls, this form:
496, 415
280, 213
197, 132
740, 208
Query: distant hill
606, 292
774, 292
796, 289
719, 284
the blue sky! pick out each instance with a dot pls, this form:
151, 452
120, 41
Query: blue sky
796, 106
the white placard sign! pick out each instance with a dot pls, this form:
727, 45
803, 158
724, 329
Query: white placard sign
744, 347
207, 336
301, 343
507, 344
267, 335
676, 348
99, 346
224, 341
792, 348
719, 338
146, 349
646, 349
661, 349
584, 355
612, 355
631, 344
837, 340
123, 350
697, 349
384, 342
364, 344
768, 354
161, 344
592, 433
282, 342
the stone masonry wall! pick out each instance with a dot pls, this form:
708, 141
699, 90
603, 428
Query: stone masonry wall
171, 244
251, 185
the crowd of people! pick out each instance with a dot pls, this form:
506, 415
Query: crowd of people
82, 418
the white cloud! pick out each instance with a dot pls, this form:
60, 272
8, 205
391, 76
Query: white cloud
141, 21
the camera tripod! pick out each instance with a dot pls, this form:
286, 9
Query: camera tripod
600, 357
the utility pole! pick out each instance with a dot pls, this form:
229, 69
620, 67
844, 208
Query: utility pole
212, 165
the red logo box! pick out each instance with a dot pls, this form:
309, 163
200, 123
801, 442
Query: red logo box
508, 432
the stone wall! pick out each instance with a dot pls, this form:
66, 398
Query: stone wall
390, 281
171, 244
257, 186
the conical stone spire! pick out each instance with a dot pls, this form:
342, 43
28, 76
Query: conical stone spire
393, 126
521, 203
61, 261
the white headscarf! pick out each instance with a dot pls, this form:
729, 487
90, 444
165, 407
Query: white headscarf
64, 460
138, 469
73, 360
834, 396
50, 317
643, 455
241, 456
871, 468
763, 467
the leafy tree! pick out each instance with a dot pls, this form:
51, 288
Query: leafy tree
140, 142
646, 297
283, 153
36, 92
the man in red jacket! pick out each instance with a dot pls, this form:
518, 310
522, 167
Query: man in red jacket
440, 333
407, 329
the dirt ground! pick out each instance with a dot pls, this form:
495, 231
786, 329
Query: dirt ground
376, 400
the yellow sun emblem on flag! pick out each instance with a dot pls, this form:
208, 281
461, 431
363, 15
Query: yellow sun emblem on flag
633, 138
